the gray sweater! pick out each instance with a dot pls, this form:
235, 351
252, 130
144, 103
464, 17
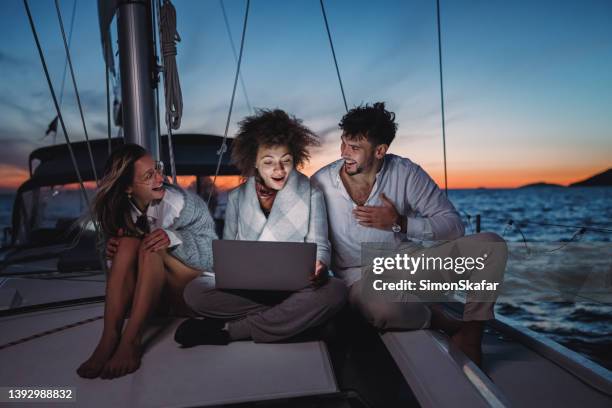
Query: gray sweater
196, 229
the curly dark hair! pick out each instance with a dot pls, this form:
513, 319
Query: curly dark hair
374, 122
271, 128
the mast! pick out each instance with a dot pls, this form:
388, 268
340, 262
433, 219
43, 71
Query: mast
138, 82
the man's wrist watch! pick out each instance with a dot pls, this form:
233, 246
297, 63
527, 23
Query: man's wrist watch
396, 227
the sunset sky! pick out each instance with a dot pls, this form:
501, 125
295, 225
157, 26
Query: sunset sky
528, 84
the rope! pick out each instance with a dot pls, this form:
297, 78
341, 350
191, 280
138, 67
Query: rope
575, 238
76, 89
158, 69
172, 86
582, 229
585, 227
231, 39
442, 95
223, 147
512, 222
48, 332
331, 44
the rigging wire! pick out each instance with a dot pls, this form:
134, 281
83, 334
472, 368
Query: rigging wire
76, 89
53, 124
231, 39
108, 112
61, 118
61, 98
55, 102
441, 95
223, 147
331, 44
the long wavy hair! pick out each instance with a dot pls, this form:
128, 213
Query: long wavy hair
111, 206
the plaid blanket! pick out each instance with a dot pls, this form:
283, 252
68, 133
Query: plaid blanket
298, 215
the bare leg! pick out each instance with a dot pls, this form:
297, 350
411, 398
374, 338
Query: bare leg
178, 276
119, 292
149, 285
152, 276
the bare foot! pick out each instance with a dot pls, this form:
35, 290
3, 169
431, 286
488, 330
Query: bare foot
126, 360
440, 320
93, 366
469, 341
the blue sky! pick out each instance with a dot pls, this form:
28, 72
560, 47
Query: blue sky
528, 84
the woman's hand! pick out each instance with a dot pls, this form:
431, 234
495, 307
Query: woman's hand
156, 240
113, 245
320, 275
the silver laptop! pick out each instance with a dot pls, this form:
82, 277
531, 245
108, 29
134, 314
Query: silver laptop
262, 265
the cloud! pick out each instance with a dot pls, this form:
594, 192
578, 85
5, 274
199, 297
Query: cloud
11, 61
15, 151
93, 101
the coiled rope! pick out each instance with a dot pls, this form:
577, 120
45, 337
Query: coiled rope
172, 86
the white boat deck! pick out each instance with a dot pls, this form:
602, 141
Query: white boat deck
169, 376
514, 375
516, 372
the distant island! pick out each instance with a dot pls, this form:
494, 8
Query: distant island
602, 179
540, 184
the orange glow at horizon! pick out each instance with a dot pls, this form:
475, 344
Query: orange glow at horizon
12, 177
464, 178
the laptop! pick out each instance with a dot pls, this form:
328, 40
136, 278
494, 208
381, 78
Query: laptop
263, 265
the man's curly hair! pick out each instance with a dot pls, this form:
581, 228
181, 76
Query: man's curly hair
271, 128
374, 122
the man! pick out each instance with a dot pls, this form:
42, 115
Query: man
373, 196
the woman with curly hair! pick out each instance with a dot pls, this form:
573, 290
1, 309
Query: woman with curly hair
159, 238
276, 203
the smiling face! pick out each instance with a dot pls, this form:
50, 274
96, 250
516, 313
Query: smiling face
359, 155
274, 164
148, 181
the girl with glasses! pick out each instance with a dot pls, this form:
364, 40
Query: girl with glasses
159, 239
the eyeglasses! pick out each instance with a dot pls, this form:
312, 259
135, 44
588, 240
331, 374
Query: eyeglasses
149, 176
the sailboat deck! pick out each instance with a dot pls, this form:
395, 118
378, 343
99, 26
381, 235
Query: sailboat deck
517, 374
169, 376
